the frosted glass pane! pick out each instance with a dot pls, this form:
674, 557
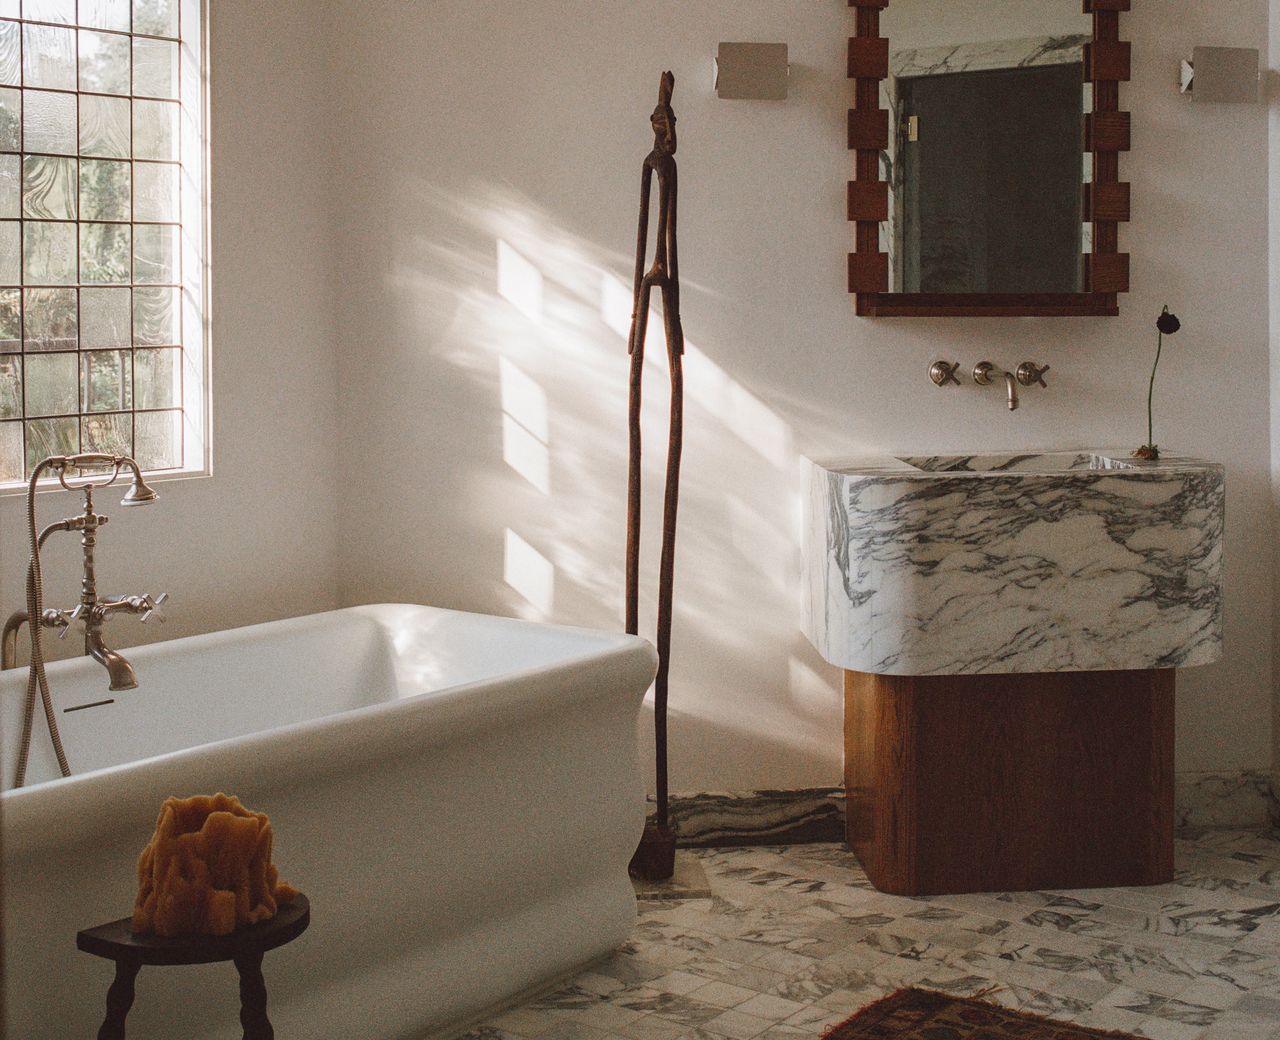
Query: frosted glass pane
106, 380
11, 467
10, 186
105, 253
10, 53
49, 57
48, 253
49, 122
158, 443
155, 17
50, 319
155, 68
155, 254
104, 62
104, 318
104, 190
159, 377
52, 384
49, 188
155, 317
10, 320
10, 387
47, 437
156, 192
10, 253
10, 8
109, 434
50, 10
104, 126
106, 14
155, 130
10, 119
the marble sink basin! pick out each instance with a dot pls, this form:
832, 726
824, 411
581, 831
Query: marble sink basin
1034, 562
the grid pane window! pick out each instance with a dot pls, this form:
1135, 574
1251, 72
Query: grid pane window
101, 185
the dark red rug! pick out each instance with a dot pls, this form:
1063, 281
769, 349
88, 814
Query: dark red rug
921, 1014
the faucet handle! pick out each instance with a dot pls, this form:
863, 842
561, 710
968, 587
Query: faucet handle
1031, 374
151, 607
62, 619
944, 372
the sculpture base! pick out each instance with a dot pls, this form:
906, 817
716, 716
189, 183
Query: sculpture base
1000, 783
655, 858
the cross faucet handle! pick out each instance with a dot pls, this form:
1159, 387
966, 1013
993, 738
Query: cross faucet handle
151, 607
944, 372
62, 619
1031, 374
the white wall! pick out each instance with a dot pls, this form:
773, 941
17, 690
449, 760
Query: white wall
1272, 93
257, 540
470, 123
369, 159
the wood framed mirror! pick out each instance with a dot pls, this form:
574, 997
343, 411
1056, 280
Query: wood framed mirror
987, 147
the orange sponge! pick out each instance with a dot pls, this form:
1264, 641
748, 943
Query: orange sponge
207, 870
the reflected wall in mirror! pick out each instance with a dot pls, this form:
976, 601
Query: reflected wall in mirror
976, 192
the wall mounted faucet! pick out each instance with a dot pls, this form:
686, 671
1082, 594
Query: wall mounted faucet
1027, 374
985, 374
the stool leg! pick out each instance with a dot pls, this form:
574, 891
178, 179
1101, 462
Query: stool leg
119, 999
253, 998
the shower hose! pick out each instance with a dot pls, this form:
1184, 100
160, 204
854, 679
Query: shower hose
36, 678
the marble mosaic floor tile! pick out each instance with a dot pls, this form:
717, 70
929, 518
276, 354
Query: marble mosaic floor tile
792, 940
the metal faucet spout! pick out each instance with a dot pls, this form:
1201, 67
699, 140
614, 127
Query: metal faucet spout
119, 671
1011, 381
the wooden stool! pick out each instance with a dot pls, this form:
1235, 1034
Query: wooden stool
245, 946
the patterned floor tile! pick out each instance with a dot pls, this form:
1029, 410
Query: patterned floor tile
794, 940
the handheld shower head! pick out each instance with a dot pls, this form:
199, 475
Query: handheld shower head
140, 493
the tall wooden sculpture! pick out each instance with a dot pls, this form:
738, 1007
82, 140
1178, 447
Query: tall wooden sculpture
655, 858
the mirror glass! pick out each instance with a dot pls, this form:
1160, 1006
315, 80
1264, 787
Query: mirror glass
986, 163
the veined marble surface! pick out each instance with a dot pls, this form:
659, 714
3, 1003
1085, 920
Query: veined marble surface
1036, 562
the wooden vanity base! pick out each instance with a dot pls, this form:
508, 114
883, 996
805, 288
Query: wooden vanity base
999, 783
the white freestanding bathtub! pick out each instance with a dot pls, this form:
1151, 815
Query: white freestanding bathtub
457, 795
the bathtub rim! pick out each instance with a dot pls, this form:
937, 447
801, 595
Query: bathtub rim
320, 746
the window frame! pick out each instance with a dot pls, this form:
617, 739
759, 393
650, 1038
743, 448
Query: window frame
194, 236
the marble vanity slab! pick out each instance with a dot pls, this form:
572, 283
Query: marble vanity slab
1037, 562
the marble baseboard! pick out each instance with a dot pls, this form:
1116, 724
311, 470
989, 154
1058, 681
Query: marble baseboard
1243, 799
758, 818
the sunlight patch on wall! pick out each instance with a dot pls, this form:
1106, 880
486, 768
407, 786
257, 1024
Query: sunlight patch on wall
747, 417
526, 429
616, 301
529, 572
519, 282
523, 399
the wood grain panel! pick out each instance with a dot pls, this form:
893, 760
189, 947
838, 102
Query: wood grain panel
868, 200
868, 272
987, 305
869, 129
1109, 61
1108, 131
868, 57
1109, 272
1010, 782
1107, 202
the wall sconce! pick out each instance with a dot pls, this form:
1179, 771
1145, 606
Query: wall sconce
752, 71
1223, 74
